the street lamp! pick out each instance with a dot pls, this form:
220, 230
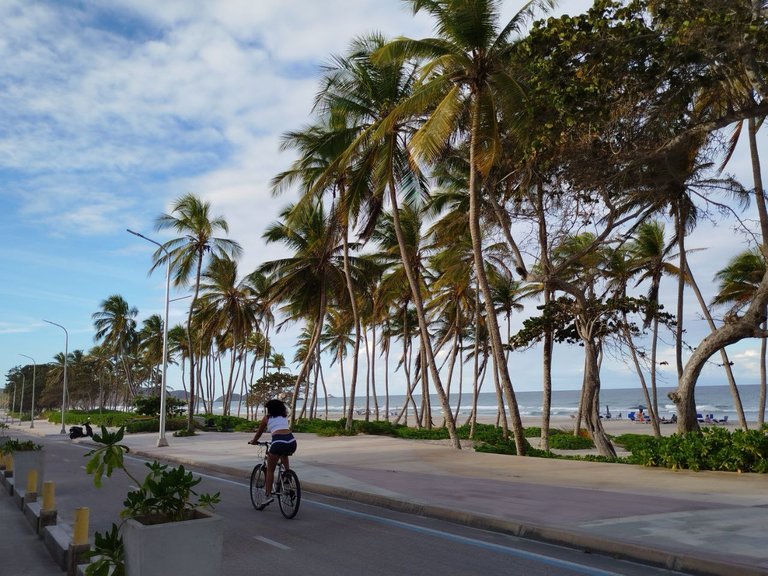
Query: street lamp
161, 441
34, 370
64, 389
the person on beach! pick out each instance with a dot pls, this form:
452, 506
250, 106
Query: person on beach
275, 422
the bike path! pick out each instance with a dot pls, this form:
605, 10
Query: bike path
706, 522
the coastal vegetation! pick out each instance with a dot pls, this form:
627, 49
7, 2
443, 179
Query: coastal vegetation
551, 168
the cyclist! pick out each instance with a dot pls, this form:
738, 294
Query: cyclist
275, 422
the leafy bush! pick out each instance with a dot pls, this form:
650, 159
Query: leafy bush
570, 442
150, 406
138, 425
229, 423
377, 428
711, 449
322, 427
16, 445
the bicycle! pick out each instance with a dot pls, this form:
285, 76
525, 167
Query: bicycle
287, 488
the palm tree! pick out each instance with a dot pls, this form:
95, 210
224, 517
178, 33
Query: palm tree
115, 327
228, 307
307, 280
191, 218
336, 339
318, 170
151, 347
467, 74
738, 282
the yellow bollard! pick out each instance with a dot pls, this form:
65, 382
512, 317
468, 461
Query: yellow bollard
9, 462
49, 500
32, 482
80, 532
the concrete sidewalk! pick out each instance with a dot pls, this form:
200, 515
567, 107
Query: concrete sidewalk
703, 523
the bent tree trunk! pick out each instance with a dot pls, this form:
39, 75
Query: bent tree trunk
746, 326
591, 402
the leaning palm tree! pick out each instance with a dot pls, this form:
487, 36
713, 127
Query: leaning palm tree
228, 305
191, 217
305, 281
738, 282
362, 94
467, 79
115, 327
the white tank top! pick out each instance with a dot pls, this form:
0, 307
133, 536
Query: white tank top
277, 423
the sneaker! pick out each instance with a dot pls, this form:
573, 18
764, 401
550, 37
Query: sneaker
266, 503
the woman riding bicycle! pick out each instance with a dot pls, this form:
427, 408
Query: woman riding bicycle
275, 422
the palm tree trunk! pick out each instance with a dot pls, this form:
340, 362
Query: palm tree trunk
191, 407
423, 330
355, 319
546, 401
318, 328
491, 321
761, 400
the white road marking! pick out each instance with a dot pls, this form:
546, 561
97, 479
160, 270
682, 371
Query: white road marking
273, 543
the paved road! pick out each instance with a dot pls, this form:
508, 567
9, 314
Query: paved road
330, 536
705, 523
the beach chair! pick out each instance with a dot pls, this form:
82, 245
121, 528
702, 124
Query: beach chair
631, 416
724, 420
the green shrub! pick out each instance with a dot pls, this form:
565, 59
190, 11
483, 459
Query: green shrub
711, 449
569, 442
322, 427
16, 445
377, 428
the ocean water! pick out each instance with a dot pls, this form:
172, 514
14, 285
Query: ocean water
715, 400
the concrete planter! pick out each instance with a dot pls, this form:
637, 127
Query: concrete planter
23, 462
192, 547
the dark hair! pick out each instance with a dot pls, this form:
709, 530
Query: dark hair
276, 408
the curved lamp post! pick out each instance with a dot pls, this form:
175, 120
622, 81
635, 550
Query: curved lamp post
64, 389
34, 370
161, 440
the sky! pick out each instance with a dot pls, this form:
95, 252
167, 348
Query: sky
111, 109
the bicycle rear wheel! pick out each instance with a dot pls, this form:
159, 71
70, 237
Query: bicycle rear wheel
258, 482
290, 494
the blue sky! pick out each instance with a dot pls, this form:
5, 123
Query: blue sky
111, 109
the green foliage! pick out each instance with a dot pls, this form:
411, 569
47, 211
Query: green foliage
166, 495
633, 442
322, 427
273, 385
377, 428
711, 449
150, 406
16, 445
111, 418
105, 459
109, 554
570, 442
148, 424
229, 423
183, 433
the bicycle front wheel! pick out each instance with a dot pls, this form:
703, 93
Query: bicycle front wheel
258, 482
290, 494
